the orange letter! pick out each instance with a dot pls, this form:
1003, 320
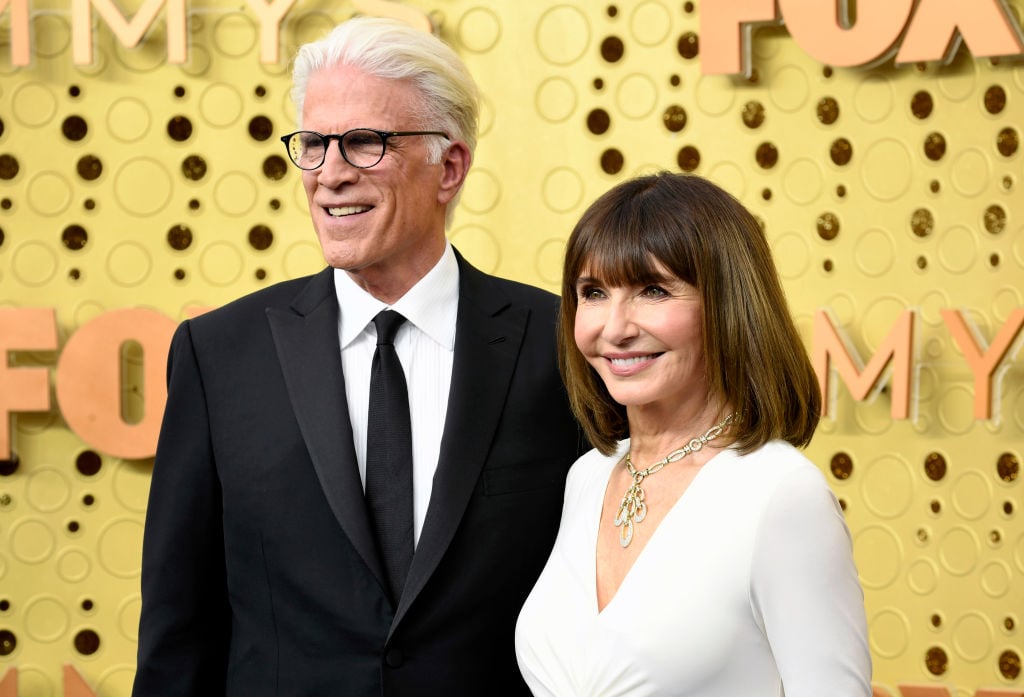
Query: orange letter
923, 691
724, 41
89, 381
269, 16
983, 24
824, 31
19, 30
129, 33
983, 364
74, 684
23, 389
897, 346
9, 684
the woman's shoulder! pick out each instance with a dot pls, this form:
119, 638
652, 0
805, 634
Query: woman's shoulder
775, 459
774, 467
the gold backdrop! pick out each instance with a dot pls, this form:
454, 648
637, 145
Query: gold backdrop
133, 182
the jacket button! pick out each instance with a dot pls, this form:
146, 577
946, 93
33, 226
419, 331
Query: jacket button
394, 658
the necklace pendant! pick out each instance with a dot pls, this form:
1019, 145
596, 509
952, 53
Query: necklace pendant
640, 512
625, 526
633, 508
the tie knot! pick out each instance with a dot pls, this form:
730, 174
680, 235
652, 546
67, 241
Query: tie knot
387, 323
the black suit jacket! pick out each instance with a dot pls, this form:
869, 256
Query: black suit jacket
260, 574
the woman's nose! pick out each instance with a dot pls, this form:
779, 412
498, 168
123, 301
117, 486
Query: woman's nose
619, 324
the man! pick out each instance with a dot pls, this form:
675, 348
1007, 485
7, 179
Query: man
278, 555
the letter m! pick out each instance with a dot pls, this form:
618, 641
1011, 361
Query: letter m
830, 348
128, 32
19, 30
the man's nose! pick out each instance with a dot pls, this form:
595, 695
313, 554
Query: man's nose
335, 169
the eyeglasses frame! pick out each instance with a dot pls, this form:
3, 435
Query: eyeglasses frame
328, 137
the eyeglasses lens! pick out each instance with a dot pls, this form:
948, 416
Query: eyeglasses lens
306, 149
363, 148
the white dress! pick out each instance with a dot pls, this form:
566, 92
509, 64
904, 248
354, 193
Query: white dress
747, 586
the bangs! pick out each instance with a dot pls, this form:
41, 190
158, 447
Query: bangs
622, 250
620, 265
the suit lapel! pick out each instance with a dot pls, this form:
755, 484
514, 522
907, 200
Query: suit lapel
487, 339
306, 338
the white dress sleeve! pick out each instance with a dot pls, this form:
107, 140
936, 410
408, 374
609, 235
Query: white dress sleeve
805, 591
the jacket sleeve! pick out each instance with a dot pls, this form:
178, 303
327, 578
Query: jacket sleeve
806, 592
184, 630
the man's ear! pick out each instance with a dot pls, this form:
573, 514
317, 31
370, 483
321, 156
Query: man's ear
455, 165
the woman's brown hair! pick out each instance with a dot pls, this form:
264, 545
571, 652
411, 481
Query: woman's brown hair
698, 232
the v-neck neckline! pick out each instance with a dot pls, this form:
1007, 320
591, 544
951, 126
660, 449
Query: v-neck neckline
596, 530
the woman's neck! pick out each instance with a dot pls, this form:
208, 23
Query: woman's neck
653, 435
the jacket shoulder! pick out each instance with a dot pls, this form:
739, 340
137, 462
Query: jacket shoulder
483, 286
279, 295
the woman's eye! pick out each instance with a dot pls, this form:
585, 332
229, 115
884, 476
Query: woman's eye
654, 292
590, 293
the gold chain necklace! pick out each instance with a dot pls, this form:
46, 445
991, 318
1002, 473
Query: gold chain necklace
633, 509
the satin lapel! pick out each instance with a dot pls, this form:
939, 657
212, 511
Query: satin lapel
306, 338
487, 339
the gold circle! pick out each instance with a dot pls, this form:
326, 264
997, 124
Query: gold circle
562, 189
220, 104
958, 551
650, 23
31, 541
49, 194
47, 489
143, 186
994, 578
479, 29
128, 119
33, 104
221, 264
636, 96
129, 264
562, 35
878, 555
887, 170
478, 244
481, 192
887, 487
555, 99
46, 619
889, 633
33, 264
119, 548
73, 566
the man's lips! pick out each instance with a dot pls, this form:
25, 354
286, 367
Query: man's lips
342, 211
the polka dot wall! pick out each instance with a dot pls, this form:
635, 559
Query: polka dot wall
132, 182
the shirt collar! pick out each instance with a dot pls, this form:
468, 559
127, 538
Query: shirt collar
431, 305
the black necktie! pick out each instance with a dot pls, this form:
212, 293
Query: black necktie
389, 455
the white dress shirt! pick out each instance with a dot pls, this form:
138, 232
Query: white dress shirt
425, 344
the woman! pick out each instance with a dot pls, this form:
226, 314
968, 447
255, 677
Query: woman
723, 565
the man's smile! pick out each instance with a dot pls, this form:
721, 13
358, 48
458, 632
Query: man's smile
347, 210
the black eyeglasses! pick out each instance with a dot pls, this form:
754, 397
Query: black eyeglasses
361, 147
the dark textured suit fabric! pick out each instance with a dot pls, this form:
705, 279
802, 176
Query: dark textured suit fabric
260, 574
